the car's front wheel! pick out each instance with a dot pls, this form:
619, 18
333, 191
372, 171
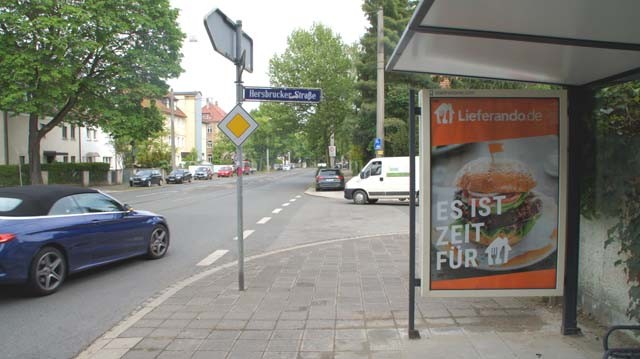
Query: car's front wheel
360, 197
149, 183
160, 182
158, 242
48, 271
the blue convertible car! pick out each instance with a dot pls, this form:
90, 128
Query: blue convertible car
49, 232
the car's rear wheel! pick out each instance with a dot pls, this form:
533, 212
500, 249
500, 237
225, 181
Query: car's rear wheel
159, 182
158, 242
48, 271
360, 197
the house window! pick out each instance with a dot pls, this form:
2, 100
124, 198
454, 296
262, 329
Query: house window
65, 159
210, 158
64, 132
89, 159
73, 132
106, 160
73, 159
95, 133
22, 160
209, 144
88, 133
209, 129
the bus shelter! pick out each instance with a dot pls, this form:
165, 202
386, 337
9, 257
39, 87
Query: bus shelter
581, 45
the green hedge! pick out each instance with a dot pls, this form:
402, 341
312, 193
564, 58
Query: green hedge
59, 173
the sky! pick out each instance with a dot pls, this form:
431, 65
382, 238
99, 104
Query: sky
268, 23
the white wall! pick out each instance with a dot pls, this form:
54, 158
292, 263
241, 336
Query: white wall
602, 286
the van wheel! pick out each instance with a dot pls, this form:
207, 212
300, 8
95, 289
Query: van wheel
360, 197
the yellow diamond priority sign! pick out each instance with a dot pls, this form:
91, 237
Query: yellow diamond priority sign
238, 125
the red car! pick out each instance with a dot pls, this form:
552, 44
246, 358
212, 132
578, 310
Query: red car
225, 171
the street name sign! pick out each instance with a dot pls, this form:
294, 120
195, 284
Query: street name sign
238, 125
283, 94
222, 33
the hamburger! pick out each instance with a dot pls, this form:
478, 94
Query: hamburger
507, 185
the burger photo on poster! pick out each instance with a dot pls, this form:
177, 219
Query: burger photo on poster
503, 185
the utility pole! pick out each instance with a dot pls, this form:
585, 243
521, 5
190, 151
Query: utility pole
380, 83
173, 132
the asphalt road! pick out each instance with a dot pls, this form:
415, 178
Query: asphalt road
202, 219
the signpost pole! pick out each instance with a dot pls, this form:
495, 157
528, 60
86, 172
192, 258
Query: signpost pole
413, 333
240, 232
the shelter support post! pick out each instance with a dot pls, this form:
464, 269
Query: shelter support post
413, 333
581, 101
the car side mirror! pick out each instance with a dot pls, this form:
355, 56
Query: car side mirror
362, 175
128, 208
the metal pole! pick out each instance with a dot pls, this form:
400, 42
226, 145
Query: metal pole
380, 83
580, 105
173, 133
239, 69
413, 333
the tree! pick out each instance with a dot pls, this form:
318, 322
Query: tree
153, 153
88, 62
316, 58
396, 16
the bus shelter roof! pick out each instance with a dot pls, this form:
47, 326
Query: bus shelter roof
565, 42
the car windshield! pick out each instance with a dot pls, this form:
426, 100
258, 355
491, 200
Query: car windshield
176, 172
143, 173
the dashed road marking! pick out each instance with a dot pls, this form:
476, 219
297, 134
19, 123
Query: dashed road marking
212, 258
298, 196
292, 200
245, 234
264, 220
277, 210
285, 204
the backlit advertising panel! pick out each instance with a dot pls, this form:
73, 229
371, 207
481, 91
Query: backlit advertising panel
492, 223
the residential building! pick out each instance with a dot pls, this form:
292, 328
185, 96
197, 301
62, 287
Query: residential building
65, 143
179, 126
191, 105
212, 114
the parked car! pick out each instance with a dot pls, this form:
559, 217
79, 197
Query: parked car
225, 171
179, 176
50, 232
329, 178
286, 167
146, 178
203, 173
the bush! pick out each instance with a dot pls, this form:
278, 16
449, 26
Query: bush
9, 175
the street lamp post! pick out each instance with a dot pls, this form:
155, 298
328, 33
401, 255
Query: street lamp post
173, 133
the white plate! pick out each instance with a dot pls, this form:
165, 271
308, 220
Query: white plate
537, 245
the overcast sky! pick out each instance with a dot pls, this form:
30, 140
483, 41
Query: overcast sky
268, 23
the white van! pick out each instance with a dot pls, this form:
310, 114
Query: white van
382, 178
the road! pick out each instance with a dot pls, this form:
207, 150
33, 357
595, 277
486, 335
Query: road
202, 219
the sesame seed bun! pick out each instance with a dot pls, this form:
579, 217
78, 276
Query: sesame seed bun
500, 176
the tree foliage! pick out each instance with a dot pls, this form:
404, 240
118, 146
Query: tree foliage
87, 62
316, 58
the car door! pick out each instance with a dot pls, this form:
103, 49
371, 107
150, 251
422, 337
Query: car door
118, 233
373, 181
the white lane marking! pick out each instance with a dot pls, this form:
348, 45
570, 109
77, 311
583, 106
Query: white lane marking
212, 258
285, 204
292, 200
298, 196
264, 220
155, 193
277, 210
245, 234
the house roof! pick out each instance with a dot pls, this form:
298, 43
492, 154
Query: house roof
214, 113
568, 42
165, 109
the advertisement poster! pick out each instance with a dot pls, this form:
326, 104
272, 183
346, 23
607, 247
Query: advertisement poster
493, 220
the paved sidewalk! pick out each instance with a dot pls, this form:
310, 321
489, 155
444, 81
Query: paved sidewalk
337, 299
